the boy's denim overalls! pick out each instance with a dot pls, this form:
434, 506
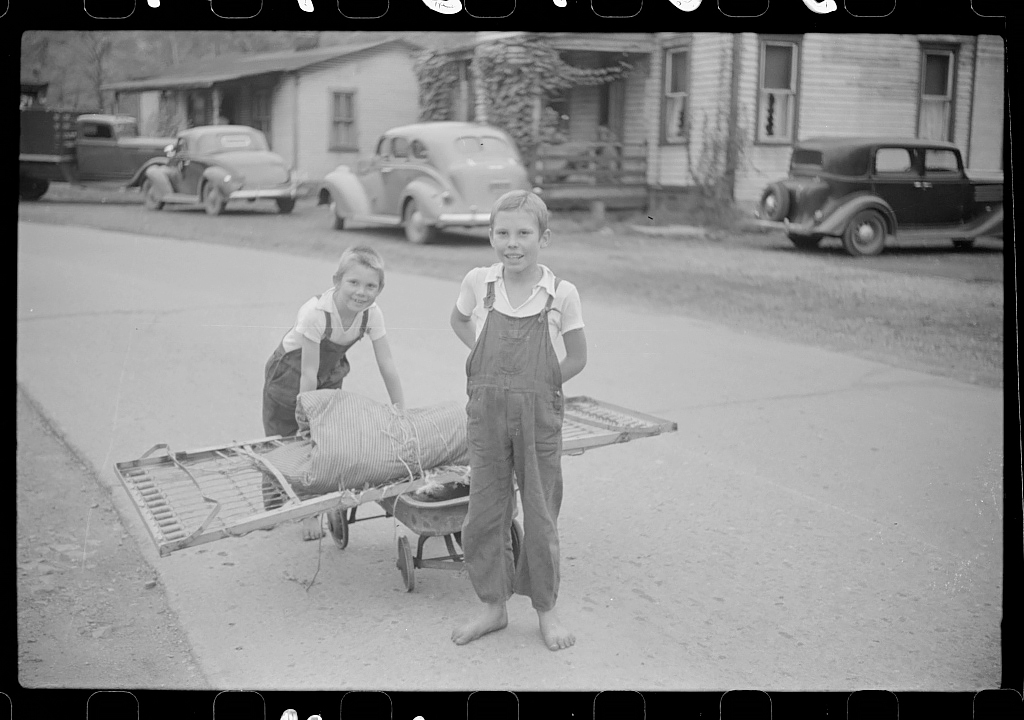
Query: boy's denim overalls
284, 371
515, 415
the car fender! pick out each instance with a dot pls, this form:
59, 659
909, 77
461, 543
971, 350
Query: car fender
427, 194
216, 175
162, 178
342, 187
141, 174
836, 221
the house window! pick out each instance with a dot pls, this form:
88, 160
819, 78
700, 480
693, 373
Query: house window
343, 121
261, 111
776, 115
677, 91
935, 115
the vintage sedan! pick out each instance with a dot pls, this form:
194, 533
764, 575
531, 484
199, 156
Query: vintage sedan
214, 164
867, 190
427, 177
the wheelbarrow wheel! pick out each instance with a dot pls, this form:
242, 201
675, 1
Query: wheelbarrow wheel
517, 541
337, 523
405, 564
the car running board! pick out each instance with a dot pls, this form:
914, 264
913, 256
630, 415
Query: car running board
989, 225
180, 198
375, 219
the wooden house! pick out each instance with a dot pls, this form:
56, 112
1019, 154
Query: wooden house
727, 108
596, 146
318, 108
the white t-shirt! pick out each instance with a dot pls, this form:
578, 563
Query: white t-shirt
566, 312
312, 324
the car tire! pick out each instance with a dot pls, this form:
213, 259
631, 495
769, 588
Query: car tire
963, 243
805, 242
775, 202
149, 199
32, 188
865, 234
213, 199
417, 230
339, 222
285, 205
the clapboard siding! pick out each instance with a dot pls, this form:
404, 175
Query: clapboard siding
854, 84
386, 95
710, 68
636, 120
986, 136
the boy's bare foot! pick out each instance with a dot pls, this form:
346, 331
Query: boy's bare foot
312, 528
492, 617
556, 636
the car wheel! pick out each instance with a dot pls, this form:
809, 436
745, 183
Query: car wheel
32, 188
805, 242
339, 222
213, 199
865, 235
775, 202
416, 228
149, 198
963, 243
285, 205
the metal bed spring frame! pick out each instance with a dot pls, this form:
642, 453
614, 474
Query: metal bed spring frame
189, 498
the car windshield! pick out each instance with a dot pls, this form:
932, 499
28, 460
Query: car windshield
483, 146
232, 141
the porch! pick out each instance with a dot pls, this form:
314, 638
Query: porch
596, 175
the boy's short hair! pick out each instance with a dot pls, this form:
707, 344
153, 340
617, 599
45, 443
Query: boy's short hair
360, 255
522, 200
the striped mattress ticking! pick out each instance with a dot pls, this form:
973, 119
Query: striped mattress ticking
355, 442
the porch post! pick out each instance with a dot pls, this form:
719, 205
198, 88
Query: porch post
216, 105
480, 101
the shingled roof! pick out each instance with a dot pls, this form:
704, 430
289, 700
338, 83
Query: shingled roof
209, 71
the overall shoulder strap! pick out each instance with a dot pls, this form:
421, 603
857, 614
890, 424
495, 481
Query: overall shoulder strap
328, 330
362, 327
551, 298
489, 297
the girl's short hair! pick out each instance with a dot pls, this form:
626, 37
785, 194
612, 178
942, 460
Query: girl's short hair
360, 255
522, 200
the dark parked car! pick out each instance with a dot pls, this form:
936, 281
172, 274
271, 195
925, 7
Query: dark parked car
426, 177
213, 164
867, 190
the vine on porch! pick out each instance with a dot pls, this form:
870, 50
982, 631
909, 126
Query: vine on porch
513, 74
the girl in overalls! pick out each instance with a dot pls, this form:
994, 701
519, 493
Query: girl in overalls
311, 356
508, 314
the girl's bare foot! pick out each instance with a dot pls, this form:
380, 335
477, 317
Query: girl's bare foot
493, 617
556, 636
312, 528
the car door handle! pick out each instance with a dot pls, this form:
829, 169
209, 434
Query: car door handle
920, 184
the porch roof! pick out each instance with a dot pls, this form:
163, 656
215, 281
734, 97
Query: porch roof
209, 71
643, 43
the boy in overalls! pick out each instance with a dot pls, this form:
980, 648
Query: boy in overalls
508, 314
311, 356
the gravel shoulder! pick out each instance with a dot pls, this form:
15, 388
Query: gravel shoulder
85, 593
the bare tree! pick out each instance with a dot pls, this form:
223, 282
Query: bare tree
96, 51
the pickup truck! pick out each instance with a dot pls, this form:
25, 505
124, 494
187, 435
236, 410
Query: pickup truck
58, 145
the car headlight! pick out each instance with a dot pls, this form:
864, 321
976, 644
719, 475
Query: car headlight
818, 215
227, 178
